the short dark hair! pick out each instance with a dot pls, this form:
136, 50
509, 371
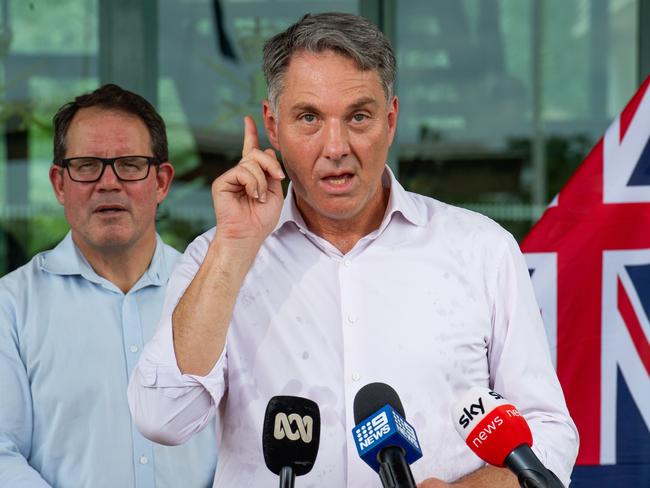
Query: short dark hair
112, 97
346, 34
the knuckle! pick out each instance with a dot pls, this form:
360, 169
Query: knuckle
219, 182
254, 154
247, 162
243, 171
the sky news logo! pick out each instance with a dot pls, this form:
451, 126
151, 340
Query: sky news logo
495, 421
476, 409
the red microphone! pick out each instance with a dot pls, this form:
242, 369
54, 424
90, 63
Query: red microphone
497, 433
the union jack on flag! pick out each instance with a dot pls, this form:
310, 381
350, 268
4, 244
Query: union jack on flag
589, 259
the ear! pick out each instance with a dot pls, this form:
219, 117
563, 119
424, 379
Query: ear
393, 111
164, 177
270, 124
56, 178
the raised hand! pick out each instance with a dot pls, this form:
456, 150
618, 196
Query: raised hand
248, 197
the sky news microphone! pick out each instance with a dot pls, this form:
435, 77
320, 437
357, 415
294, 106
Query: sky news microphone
290, 437
498, 434
384, 439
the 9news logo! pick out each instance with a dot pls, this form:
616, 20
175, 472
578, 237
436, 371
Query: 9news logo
373, 430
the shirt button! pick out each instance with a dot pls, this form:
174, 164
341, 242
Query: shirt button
347, 263
133, 348
356, 376
352, 318
144, 459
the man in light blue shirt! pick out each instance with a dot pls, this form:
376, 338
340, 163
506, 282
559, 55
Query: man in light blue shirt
74, 319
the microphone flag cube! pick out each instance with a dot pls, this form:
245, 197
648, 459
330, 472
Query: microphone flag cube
382, 429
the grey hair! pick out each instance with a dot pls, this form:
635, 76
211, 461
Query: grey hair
347, 34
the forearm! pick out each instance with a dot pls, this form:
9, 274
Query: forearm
247, 201
16, 415
486, 477
16, 472
201, 318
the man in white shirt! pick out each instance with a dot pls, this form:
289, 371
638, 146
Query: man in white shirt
348, 280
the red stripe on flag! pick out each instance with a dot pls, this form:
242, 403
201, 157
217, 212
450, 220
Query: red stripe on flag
633, 325
579, 341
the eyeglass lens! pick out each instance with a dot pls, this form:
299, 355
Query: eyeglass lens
126, 168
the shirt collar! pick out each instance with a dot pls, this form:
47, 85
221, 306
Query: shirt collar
67, 259
398, 202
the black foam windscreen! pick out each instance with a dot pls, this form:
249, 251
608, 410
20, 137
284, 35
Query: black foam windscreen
372, 397
291, 434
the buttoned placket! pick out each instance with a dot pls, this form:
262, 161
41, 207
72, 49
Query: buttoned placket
353, 330
133, 343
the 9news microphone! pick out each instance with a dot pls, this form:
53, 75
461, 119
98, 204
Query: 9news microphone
290, 437
498, 434
384, 439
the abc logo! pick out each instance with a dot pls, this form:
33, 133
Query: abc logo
293, 427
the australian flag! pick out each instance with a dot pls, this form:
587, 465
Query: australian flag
589, 258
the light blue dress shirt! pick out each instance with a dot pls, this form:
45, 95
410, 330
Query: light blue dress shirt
69, 340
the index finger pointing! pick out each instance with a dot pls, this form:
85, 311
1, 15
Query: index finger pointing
251, 141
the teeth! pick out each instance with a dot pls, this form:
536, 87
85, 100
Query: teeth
338, 181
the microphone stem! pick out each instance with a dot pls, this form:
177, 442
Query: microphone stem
394, 471
530, 472
287, 477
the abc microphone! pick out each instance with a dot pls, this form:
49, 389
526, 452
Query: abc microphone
384, 439
497, 433
290, 437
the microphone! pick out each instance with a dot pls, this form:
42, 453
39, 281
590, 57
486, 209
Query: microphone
497, 433
290, 437
384, 439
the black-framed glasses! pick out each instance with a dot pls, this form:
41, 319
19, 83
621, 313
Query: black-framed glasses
126, 168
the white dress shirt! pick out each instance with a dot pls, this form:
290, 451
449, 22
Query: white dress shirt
437, 299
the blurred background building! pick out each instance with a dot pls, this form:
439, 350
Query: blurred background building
500, 100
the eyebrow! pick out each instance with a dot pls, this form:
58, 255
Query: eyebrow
360, 103
304, 107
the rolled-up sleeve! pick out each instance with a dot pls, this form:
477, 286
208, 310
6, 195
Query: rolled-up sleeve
521, 368
167, 406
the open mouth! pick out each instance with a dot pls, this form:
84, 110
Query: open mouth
338, 180
108, 210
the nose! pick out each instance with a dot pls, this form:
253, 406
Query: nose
337, 143
108, 180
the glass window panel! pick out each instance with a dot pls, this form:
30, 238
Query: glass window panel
48, 54
468, 120
44, 26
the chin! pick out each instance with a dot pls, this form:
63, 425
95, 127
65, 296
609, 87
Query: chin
112, 240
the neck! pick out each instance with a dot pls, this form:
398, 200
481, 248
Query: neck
121, 265
345, 233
